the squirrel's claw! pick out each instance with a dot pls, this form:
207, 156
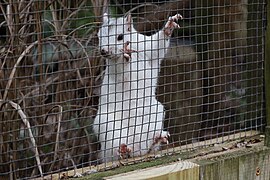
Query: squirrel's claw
171, 24
127, 51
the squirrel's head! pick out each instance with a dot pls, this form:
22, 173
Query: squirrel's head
113, 34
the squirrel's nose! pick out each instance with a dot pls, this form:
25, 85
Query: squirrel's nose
103, 52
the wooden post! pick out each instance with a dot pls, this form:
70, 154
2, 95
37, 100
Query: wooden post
267, 78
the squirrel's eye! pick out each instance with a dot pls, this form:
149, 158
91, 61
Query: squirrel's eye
120, 37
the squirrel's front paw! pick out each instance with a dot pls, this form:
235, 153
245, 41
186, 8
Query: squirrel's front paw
127, 51
171, 24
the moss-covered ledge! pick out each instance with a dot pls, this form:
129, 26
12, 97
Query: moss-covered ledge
235, 156
234, 160
246, 164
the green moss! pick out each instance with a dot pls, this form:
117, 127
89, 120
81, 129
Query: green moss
128, 168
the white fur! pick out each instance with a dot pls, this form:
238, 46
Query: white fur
128, 110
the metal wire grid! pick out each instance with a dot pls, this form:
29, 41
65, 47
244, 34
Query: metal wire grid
210, 82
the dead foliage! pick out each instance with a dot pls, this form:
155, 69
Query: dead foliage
49, 84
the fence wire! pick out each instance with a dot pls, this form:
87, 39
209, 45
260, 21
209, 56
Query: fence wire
80, 88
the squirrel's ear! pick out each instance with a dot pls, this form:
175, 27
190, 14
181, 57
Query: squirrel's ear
105, 17
129, 22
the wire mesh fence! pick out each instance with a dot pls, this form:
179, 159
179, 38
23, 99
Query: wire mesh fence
79, 87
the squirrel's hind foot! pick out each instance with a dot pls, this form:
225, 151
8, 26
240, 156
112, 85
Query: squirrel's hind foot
124, 151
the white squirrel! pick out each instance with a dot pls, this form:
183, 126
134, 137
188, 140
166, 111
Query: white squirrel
129, 120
